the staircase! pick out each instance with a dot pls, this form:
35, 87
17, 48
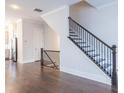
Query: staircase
103, 55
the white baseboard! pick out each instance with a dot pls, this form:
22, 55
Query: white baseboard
26, 60
90, 76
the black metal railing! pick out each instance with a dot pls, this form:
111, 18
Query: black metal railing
103, 55
45, 52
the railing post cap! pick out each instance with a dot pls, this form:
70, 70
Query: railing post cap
114, 46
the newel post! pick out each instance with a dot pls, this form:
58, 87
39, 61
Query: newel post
42, 60
114, 70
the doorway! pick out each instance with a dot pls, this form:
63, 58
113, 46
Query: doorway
14, 49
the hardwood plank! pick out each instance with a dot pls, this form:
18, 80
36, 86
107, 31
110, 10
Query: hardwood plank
31, 78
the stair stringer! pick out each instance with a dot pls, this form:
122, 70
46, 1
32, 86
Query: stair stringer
72, 59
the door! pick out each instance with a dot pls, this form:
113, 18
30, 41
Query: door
37, 43
14, 50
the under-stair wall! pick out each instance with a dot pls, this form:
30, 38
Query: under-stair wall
72, 60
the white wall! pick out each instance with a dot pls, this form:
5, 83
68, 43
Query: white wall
51, 42
72, 60
100, 3
11, 28
102, 22
20, 41
32, 36
7, 43
51, 39
30, 40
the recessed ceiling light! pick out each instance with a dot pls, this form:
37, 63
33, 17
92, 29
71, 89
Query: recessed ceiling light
14, 6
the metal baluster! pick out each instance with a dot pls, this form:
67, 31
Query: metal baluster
85, 37
105, 54
110, 63
75, 30
79, 32
71, 26
100, 53
95, 47
71, 23
79, 35
87, 41
107, 60
82, 38
92, 45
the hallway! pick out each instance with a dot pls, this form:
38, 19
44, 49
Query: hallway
30, 78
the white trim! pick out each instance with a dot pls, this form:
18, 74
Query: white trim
28, 60
93, 77
40, 22
25, 60
55, 10
106, 5
103, 5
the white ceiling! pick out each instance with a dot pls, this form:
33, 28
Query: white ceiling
100, 3
27, 6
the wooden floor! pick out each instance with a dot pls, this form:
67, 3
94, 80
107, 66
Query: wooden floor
30, 78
